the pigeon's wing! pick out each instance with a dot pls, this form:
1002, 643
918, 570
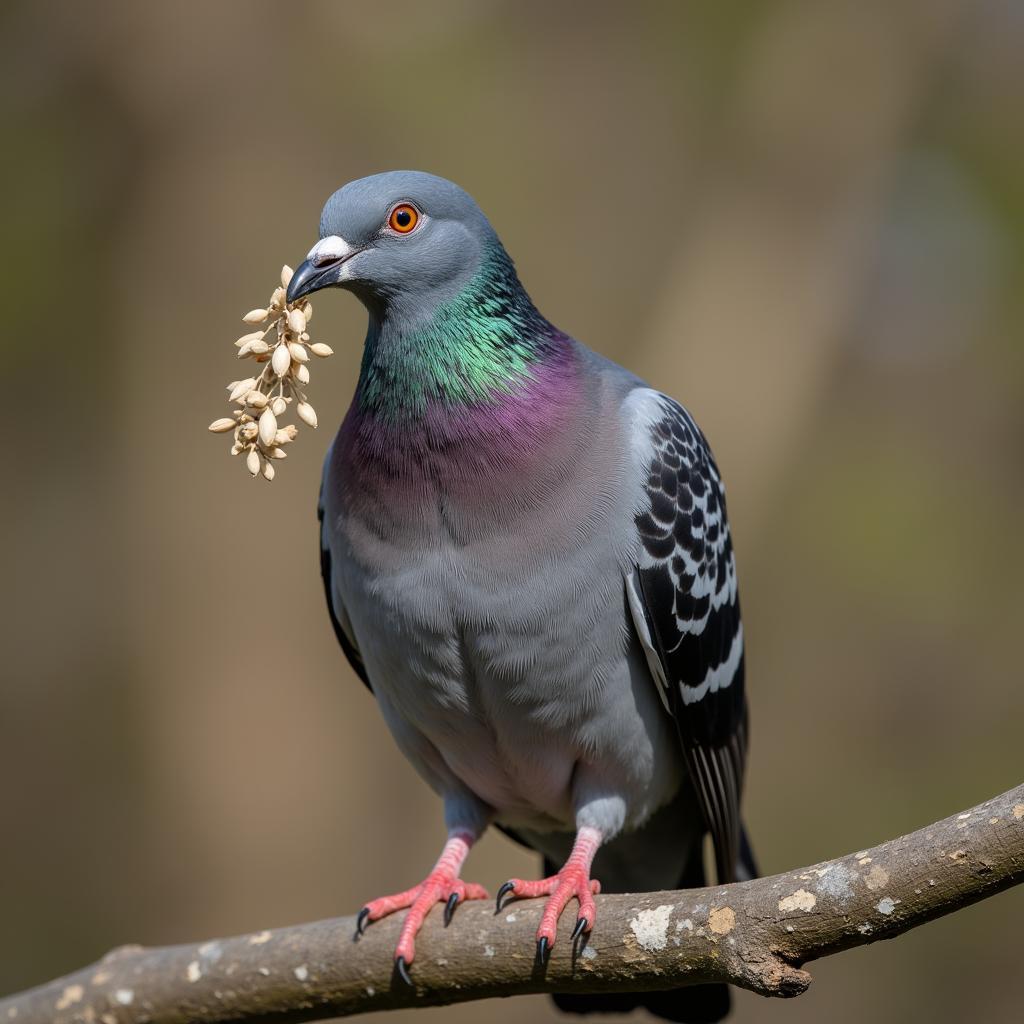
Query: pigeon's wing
685, 606
339, 617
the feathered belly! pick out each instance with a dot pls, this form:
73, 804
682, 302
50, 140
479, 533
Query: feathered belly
512, 684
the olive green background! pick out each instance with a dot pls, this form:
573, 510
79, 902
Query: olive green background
805, 219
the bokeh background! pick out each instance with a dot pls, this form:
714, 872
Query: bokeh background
803, 218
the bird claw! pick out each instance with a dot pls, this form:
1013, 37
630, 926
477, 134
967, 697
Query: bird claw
543, 949
581, 927
361, 921
506, 888
402, 970
449, 908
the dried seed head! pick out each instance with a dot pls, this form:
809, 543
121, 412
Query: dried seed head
283, 342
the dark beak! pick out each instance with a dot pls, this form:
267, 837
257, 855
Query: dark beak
309, 277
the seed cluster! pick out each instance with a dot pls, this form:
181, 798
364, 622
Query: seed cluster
283, 348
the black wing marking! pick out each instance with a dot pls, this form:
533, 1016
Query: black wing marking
685, 605
342, 627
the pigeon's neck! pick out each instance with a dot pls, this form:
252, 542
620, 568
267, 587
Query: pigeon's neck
483, 390
477, 349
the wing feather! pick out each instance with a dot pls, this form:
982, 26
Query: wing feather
339, 618
684, 602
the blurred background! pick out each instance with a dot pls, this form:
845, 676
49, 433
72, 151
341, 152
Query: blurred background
805, 219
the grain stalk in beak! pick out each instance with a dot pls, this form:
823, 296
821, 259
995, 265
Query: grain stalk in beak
281, 347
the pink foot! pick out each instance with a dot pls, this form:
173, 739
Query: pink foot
443, 883
572, 881
569, 882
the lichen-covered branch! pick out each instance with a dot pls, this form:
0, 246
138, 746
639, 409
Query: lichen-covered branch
755, 934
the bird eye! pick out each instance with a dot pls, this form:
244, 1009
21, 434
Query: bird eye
404, 218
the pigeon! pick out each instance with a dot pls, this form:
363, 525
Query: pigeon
527, 560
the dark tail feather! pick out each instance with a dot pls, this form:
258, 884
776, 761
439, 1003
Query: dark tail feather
694, 1004
747, 867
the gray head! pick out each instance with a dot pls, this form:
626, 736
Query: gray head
403, 241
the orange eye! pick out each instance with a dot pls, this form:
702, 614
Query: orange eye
403, 218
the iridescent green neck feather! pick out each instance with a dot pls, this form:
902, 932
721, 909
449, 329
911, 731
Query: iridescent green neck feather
483, 343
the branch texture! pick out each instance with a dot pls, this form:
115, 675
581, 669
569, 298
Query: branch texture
754, 934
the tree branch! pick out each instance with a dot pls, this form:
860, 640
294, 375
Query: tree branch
754, 934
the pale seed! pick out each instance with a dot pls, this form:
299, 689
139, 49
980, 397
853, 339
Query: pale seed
282, 360
286, 275
299, 353
302, 373
306, 413
255, 316
252, 462
321, 350
268, 426
255, 336
256, 399
297, 321
279, 405
222, 426
268, 471
241, 388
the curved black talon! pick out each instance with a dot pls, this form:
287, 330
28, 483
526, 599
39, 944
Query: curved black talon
403, 970
449, 908
361, 921
503, 891
581, 927
543, 949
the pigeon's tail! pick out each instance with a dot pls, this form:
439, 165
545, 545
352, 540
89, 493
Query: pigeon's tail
694, 1004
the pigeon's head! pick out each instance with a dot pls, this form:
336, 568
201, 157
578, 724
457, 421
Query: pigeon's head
402, 240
